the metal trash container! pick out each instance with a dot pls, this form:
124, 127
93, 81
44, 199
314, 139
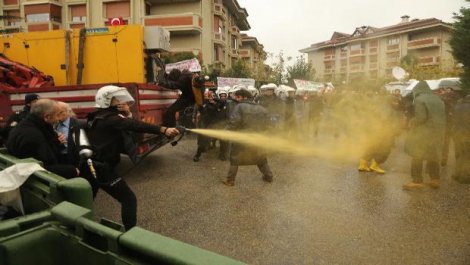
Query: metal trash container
44, 189
65, 234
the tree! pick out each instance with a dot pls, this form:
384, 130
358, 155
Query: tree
421, 72
174, 57
261, 71
460, 43
301, 69
409, 62
238, 70
278, 73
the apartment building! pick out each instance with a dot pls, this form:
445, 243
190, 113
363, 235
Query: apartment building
372, 52
211, 29
252, 52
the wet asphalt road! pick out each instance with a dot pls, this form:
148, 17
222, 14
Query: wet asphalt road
315, 211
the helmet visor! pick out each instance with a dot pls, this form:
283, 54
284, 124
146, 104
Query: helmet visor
123, 96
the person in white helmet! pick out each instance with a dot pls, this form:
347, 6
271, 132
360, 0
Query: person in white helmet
109, 130
273, 104
221, 121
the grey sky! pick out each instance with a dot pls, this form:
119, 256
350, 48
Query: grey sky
295, 24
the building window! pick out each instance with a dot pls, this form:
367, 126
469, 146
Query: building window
393, 57
393, 41
117, 9
373, 58
217, 53
78, 13
356, 47
218, 25
40, 17
43, 13
12, 21
148, 8
234, 42
10, 2
56, 13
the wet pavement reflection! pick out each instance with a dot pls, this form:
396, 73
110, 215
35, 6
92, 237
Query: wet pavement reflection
315, 212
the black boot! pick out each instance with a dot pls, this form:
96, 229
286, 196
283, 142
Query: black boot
197, 156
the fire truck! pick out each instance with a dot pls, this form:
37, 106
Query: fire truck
71, 65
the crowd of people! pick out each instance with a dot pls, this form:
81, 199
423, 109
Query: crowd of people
51, 134
371, 120
49, 131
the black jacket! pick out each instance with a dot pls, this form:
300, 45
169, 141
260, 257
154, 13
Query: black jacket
14, 118
184, 84
35, 138
273, 104
247, 116
109, 134
19, 116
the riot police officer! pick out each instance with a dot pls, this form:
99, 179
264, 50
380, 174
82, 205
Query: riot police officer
109, 130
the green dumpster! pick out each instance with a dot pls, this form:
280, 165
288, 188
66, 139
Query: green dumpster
44, 189
66, 235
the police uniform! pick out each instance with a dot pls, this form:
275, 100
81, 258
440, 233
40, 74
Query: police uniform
110, 135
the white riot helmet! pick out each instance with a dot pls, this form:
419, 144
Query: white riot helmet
235, 88
221, 90
240, 87
253, 90
269, 86
105, 94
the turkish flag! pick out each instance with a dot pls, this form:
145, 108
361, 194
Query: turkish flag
115, 21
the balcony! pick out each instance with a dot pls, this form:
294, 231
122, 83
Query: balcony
428, 60
356, 68
360, 52
244, 53
391, 64
219, 11
393, 48
43, 26
219, 38
234, 53
329, 71
185, 23
10, 3
235, 30
424, 43
373, 50
12, 23
329, 57
373, 65
12, 29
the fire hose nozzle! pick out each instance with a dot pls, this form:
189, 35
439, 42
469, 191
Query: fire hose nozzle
182, 130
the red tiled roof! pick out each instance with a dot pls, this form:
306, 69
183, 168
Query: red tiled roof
376, 32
